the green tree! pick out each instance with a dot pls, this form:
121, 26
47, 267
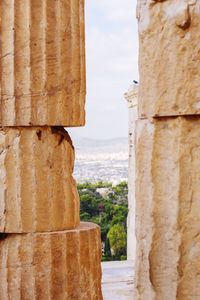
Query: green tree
88, 204
107, 247
85, 216
117, 237
107, 211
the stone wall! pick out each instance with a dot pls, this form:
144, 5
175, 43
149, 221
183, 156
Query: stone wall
168, 151
45, 253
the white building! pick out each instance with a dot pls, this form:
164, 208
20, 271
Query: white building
131, 97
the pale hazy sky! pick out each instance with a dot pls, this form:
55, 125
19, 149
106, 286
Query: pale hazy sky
111, 55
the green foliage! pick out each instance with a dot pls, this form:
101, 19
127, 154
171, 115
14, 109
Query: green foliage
123, 257
84, 216
107, 206
117, 238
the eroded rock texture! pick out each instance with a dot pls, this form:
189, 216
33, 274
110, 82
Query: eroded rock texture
168, 210
169, 57
42, 62
37, 190
45, 253
58, 265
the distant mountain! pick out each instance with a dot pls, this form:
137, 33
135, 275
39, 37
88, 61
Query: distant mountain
87, 142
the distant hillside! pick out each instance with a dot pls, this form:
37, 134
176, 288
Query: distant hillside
86, 142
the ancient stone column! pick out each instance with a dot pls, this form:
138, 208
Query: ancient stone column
58, 265
45, 252
131, 97
168, 151
42, 62
36, 180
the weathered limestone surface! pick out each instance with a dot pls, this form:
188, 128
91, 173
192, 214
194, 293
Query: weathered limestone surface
57, 265
45, 253
131, 96
37, 190
169, 57
42, 62
168, 210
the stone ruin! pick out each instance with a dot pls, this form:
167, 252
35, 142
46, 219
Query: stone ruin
168, 151
45, 252
131, 97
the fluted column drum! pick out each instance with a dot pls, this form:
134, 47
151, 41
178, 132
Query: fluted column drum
37, 189
42, 66
55, 266
45, 253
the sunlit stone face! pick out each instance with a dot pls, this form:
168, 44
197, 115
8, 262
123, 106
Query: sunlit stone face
42, 63
169, 55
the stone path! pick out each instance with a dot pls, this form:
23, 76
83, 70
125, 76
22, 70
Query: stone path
117, 280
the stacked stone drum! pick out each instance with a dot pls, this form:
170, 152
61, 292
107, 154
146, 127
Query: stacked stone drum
45, 251
168, 151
